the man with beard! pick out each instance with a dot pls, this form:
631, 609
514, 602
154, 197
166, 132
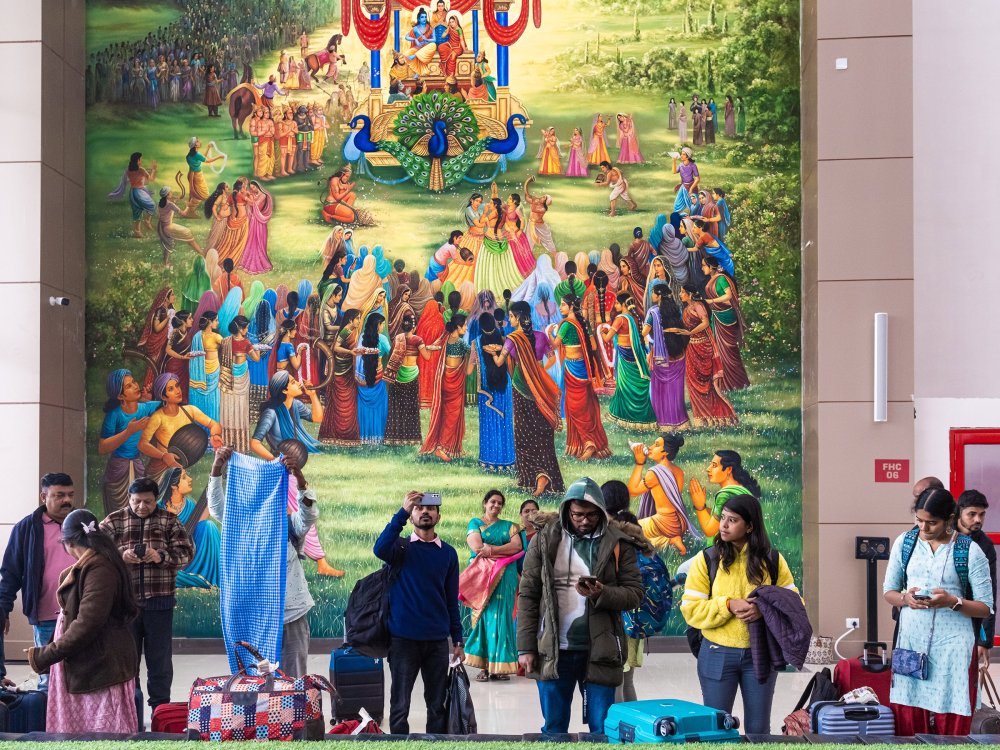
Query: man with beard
423, 610
972, 508
33, 561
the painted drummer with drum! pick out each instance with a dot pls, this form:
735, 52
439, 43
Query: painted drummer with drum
177, 434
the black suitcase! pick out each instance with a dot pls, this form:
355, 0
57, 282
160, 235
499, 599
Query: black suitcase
360, 683
25, 711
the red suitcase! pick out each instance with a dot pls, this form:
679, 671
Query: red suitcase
850, 674
171, 718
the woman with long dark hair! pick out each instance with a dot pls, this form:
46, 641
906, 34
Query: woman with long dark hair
723, 299
726, 470
931, 573
203, 570
282, 415
496, 412
585, 436
218, 209
340, 418
598, 310
136, 181
373, 398
666, 360
153, 339
630, 407
536, 402
204, 371
703, 372
722, 609
92, 659
168, 231
447, 424
261, 334
401, 373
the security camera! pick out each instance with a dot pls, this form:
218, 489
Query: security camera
56, 301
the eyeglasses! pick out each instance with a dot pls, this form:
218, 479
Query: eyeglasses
593, 515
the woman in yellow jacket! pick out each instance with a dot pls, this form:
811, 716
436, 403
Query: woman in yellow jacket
722, 610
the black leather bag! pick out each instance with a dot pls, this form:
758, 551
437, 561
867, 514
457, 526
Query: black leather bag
986, 719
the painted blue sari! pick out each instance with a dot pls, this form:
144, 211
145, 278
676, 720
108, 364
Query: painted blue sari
496, 422
727, 218
725, 258
373, 401
203, 388
203, 570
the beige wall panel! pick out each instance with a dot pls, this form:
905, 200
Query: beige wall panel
21, 21
862, 18
20, 216
875, 244
23, 118
846, 338
19, 460
848, 444
849, 125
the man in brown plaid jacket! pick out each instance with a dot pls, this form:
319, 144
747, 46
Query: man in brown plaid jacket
154, 546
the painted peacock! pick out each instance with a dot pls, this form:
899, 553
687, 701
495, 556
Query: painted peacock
437, 139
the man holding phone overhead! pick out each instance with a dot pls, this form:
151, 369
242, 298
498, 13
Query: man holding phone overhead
423, 610
579, 575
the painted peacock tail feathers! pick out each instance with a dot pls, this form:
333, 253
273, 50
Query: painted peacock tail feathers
419, 116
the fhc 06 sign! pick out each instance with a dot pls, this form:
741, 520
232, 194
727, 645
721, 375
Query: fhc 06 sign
892, 470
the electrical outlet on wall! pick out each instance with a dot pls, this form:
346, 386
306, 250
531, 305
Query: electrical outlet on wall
852, 623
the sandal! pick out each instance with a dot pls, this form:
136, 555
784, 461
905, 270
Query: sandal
483, 676
500, 677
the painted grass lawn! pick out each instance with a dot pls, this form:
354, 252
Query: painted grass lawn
400, 745
359, 489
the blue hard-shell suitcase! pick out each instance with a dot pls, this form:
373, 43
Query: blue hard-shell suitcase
834, 718
360, 683
669, 721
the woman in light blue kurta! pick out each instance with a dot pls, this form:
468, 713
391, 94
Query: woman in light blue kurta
952, 647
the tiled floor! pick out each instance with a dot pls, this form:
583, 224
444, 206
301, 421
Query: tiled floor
512, 707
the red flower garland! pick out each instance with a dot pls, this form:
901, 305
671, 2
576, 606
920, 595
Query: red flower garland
461, 6
372, 33
505, 36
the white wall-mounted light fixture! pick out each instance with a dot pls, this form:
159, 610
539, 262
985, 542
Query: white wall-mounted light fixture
881, 380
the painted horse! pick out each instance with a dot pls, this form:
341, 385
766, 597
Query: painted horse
242, 101
316, 60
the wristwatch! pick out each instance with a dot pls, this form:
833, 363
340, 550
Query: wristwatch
958, 604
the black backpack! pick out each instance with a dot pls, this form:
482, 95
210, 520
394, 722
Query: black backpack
366, 619
712, 560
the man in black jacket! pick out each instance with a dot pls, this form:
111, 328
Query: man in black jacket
33, 560
972, 508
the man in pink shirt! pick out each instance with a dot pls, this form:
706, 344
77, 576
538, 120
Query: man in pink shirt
34, 560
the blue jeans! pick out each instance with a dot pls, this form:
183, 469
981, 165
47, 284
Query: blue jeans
721, 670
44, 631
556, 696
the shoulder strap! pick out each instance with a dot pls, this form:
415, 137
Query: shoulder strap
773, 566
712, 562
909, 544
962, 544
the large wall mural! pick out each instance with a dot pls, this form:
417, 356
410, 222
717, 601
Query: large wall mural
482, 244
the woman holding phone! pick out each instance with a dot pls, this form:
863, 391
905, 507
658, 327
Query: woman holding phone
932, 570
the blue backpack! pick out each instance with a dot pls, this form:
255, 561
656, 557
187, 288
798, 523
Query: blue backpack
651, 616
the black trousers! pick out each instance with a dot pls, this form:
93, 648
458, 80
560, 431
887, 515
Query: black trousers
153, 631
406, 659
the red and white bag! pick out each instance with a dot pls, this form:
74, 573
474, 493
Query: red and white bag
267, 706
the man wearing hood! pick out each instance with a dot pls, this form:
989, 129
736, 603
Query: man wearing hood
580, 574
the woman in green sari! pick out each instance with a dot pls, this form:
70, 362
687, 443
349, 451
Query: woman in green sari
492, 645
195, 284
630, 407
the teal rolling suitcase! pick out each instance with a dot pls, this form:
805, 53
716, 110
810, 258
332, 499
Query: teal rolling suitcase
668, 721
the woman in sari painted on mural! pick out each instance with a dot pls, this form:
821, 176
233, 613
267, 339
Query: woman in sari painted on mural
598, 150
723, 298
340, 417
549, 155
447, 423
496, 268
630, 407
203, 570
204, 371
520, 245
576, 164
536, 403
452, 46
666, 360
628, 141
496, 412
403, 376
585, 436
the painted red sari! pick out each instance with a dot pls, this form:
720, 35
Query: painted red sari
340, 419
704, 374
430, 328
447, 427
584, 429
